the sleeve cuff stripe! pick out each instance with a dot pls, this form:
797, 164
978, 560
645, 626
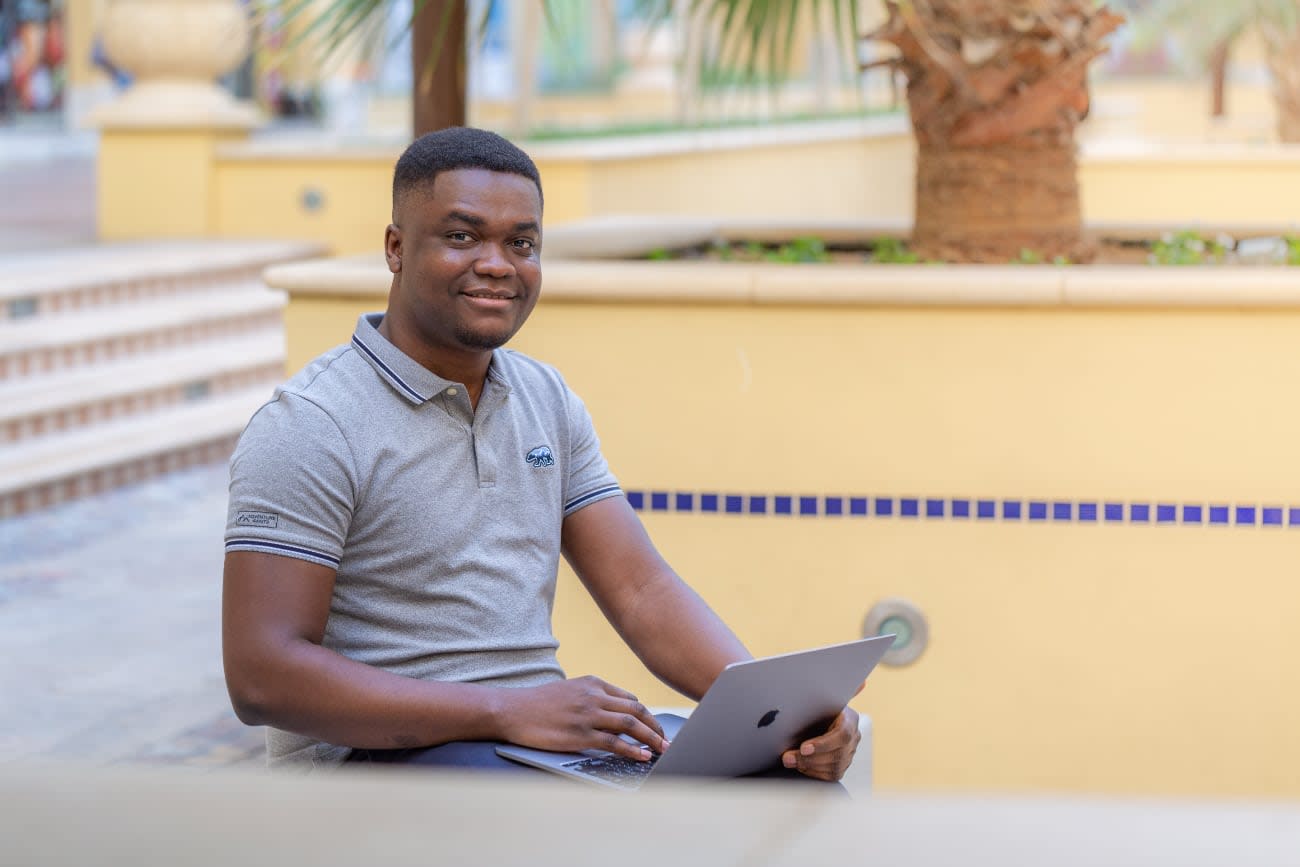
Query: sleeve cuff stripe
586, 498
279, 546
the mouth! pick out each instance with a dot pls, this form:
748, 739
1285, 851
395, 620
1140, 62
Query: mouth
487, 300
489, 295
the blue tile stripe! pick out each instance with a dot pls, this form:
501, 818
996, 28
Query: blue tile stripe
1028, 511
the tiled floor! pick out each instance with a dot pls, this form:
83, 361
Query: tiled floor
110, 611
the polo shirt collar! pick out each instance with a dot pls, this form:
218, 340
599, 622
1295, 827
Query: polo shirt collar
409, 378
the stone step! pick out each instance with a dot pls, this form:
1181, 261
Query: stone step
44, 345
39, 285
45, 471
65, 400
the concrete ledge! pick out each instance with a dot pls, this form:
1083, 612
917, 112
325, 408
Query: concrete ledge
1039, 286
478, 820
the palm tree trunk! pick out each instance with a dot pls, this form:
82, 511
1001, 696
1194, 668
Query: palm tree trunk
438, 66
1282, 53
994, 94
1219, 77
988, 204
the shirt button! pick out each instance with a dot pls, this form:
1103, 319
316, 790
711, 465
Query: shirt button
451, 392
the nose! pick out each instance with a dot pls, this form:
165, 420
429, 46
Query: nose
494, 262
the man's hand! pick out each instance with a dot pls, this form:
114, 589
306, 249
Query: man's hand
583, 713
827, 757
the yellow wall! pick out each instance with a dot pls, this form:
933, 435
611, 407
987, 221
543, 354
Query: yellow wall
158, 182
260, 193
1092, 657
266, 198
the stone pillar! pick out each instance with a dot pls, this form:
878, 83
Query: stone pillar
158, 141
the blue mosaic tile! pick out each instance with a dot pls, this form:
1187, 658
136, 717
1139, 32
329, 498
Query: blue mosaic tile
1061, 511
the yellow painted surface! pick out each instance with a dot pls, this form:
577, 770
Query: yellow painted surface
269, 198
1206, 185
869, 178
81, 20
156, 183
1068, 656
861, 177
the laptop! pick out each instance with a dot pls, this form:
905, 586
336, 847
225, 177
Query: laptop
755, 711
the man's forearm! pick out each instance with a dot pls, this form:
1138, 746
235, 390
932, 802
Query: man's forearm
678, 636
314, 691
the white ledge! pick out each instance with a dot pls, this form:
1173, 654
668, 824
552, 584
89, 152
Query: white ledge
712, 283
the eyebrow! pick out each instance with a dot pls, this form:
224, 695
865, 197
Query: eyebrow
462, 217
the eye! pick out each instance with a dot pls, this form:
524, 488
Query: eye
459, 237
525, 243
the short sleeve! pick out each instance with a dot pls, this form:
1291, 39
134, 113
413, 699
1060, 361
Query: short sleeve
292, 484
588, 479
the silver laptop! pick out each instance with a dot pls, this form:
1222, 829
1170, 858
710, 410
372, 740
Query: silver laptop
754, 712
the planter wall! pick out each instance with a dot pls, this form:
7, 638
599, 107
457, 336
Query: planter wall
1083, 478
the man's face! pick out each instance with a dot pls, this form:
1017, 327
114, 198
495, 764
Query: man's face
466, 250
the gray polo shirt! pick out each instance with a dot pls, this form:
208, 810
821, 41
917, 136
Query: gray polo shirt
442, 523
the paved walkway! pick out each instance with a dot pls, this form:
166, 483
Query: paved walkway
110, 612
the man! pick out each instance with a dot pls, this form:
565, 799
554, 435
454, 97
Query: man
398, 510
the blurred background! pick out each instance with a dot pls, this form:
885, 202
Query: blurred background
1067, 486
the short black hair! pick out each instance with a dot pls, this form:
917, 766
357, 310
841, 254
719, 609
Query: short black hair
459, 147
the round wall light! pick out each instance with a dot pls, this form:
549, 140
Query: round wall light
904, 620
311, 199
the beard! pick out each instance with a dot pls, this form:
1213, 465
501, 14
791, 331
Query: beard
478, 340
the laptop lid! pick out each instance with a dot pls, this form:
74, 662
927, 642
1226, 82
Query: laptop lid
754, 711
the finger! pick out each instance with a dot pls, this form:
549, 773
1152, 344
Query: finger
629, 724
628, 703
843, 731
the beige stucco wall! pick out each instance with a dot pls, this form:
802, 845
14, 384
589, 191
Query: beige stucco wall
1127, 656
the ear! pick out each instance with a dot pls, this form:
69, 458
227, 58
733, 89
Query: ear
393, 248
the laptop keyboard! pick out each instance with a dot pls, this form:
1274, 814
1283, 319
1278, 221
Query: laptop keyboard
615, 769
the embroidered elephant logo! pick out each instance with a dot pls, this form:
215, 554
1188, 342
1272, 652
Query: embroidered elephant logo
540, 457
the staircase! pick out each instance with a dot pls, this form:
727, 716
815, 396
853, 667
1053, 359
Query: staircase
119, 362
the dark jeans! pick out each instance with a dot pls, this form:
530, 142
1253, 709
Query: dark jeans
481, 756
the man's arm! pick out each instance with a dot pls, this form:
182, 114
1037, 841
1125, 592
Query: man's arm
274, 611
669, 627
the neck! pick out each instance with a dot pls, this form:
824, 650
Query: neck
468, 367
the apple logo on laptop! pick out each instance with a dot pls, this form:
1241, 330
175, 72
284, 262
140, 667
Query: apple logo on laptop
768, 718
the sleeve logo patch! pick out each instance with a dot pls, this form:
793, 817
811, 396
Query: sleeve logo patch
540, 457
257, 519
